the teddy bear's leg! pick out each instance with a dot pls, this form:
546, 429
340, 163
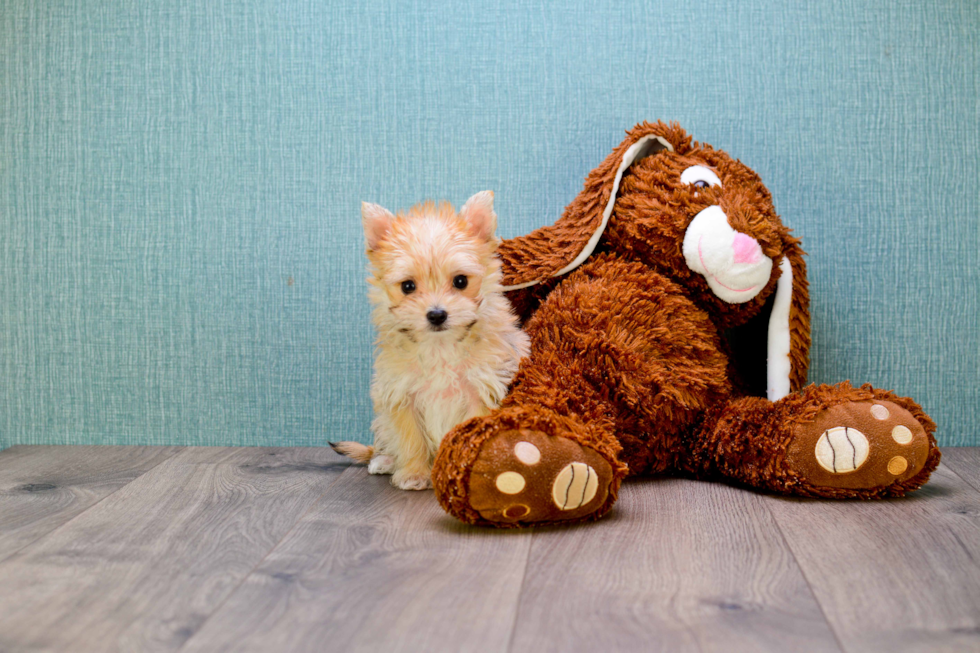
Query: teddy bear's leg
827, 441
621, 365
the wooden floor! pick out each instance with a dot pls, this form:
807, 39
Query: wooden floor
211, 549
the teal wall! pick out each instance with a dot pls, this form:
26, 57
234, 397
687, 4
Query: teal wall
180, 247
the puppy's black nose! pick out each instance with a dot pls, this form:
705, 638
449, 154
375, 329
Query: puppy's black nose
436, 316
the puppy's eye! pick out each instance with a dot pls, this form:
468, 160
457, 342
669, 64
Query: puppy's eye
408, 287
700, 177
460, 281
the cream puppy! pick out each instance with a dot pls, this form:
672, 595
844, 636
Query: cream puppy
448, 344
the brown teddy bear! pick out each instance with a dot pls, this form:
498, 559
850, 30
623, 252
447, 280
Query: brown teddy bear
669, 325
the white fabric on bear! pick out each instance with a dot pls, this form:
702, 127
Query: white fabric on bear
709, 250
778, 365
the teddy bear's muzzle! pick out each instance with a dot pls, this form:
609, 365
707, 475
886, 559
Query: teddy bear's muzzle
732, 262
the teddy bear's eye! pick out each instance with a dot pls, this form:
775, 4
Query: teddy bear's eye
460, 281
408, 287
700, 177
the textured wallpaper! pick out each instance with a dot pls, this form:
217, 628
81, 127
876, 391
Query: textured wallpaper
180, 246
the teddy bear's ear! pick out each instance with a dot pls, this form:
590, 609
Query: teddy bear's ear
560, 248
789, 326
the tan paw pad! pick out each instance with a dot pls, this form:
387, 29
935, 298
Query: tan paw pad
841, 450
510, 483
527, 453
902, 434
574, 486
879, 412
897, 465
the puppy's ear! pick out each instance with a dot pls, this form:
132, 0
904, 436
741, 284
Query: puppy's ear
377, 222
479, 216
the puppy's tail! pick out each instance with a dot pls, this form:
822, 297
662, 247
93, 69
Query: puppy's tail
356, 451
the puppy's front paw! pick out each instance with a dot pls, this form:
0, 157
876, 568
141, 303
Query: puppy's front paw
381, 464
404, 480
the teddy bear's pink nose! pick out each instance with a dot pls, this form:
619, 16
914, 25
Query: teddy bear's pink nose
747, 249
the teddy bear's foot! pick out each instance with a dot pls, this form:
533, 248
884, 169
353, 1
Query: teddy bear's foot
524, 465
867, 447
526, 476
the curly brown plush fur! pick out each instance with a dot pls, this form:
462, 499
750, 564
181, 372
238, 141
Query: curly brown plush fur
648, 356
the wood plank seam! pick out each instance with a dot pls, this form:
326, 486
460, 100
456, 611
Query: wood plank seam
966, 480
66, 523
152, 563
520, 592
813, 593
680, 565
367, 550
258, 564
974, 483
898, 574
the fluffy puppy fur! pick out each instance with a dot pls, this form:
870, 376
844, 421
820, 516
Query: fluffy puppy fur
448, 343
